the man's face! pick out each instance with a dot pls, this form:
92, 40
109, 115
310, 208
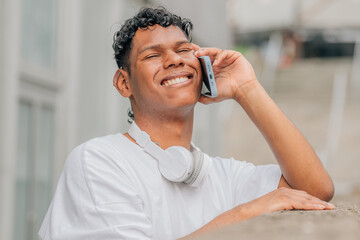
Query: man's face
165, 74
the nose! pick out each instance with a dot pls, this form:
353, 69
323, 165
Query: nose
173, 59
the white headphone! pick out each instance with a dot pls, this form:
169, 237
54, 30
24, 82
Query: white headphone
176, 163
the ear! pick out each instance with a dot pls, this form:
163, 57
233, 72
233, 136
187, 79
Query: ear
121, 82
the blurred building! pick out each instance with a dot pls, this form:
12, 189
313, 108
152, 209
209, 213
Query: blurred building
56, 71
306, 53
326, 28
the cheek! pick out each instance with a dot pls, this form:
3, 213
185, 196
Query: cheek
194, 62
143, 85
144, 73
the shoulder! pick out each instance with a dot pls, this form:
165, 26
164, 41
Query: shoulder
104, 144
97, 153
104, 163
100, 147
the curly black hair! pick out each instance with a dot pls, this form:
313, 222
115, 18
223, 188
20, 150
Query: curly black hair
146, 17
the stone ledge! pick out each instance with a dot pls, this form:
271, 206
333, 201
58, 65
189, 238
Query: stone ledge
341, 223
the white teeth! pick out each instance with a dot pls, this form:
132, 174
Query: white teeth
174, 81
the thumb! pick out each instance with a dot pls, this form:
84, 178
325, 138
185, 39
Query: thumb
207, 100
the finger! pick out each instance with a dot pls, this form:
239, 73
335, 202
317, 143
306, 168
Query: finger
325, 205
211, 52
317, 205
308, 206
329, 206
304, 196
226, 58
195, 47
299, 204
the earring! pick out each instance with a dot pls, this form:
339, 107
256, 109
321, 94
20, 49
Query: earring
130, 114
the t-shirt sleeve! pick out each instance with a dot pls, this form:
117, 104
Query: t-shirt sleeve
92, 201
250, 182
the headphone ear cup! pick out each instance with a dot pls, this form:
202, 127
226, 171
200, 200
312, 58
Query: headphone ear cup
179, 167
202, 164
176, 163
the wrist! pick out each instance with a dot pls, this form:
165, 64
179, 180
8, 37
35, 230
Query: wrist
242, 93
247, 210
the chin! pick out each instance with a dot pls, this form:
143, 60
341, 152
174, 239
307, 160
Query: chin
188, 100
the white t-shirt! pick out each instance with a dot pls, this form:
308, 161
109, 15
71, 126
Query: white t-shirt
111, 189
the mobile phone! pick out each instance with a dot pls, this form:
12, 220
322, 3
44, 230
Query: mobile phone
209, 86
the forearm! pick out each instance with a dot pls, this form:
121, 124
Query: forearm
237, 214
279, 199
299, 163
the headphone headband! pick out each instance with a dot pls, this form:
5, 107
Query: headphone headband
176, 163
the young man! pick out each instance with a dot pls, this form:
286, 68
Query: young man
126, 186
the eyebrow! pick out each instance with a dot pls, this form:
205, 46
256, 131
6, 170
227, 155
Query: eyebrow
158, 46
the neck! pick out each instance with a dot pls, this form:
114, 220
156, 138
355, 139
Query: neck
173, 131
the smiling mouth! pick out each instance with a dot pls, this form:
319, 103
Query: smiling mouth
170, 82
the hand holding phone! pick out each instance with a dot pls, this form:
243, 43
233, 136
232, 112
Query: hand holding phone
209, 86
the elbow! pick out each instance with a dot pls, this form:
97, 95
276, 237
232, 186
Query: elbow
326, 193
323, 190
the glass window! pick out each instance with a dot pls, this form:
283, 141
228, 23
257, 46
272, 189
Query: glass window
25, 153
33, 168
38, 34
43, 166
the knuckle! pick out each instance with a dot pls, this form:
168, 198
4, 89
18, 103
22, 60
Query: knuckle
308, 197
284, 197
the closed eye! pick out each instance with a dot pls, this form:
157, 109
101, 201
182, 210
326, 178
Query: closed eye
151, 56
184, 50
